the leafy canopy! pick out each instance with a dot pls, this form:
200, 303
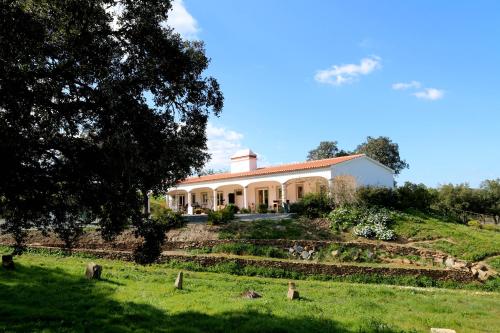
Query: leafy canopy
326, 149
101, 103
385, 151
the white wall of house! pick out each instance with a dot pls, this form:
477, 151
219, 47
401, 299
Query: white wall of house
367, 172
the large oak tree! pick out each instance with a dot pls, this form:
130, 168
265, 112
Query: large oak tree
101, 103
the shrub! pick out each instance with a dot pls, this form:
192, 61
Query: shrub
378, 231
297, 208
168, 217
368, 223
262, 209
316, 205
377, 196
233, 208
345, 217
416, 196
245, 211
312, 205
221, 216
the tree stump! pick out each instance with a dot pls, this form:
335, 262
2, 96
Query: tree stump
7, 261
178, 281
93, 271
292, 292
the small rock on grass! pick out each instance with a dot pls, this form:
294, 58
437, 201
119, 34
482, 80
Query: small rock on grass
251, 294
93, 271
292, 292
179, 280
7, 261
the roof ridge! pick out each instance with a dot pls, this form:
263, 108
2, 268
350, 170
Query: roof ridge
320, 163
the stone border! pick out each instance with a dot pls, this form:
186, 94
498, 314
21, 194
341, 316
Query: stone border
306, 268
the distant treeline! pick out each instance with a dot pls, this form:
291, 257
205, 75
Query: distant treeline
460, 201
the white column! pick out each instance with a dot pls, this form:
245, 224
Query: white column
283, 194
215, 199
170, 201
190, 207
245, 203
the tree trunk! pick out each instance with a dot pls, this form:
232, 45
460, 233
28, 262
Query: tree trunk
145, 200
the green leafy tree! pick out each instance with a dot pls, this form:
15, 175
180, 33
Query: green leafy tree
101, 104
490, 195
385, 151
326, 149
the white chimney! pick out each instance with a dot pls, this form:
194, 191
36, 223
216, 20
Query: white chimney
243, 161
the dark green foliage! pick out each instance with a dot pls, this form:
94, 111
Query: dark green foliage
415, 196
153, 232
490, 197
220, 216
385, 151
168, 217
233, 208
100, 113
326, 149
377, 196
262, 209
312, 205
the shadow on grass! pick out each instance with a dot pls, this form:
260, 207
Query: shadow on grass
51, 300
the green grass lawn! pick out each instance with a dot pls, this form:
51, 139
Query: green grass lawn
461, 241
47, 293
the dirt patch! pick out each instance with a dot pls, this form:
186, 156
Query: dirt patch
193, 232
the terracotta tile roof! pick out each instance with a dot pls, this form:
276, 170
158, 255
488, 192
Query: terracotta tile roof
272, 169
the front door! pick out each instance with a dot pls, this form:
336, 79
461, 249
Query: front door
230, 198
263, 196
181, 201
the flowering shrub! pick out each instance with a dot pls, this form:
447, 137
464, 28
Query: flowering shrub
368, 223
344, 218
376, 230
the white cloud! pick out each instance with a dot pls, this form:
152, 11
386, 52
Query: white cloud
406, 85
222, 144
338, 75
431, 94
179, 19
182, 21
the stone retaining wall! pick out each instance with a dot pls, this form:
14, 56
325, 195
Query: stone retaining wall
305, 268
398, 249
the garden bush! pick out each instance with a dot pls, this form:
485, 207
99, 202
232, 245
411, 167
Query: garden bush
262, 209
312, 205
344, 218
233, 208
221, 216
168, 217
377, 196
365, 222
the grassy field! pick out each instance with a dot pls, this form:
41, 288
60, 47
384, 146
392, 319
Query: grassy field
461, 241
47, 293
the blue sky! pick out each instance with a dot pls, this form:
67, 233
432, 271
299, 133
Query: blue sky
294, 73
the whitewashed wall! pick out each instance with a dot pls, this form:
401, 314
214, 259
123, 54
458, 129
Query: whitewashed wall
366, 171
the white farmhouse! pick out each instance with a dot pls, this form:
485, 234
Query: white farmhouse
248, 186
